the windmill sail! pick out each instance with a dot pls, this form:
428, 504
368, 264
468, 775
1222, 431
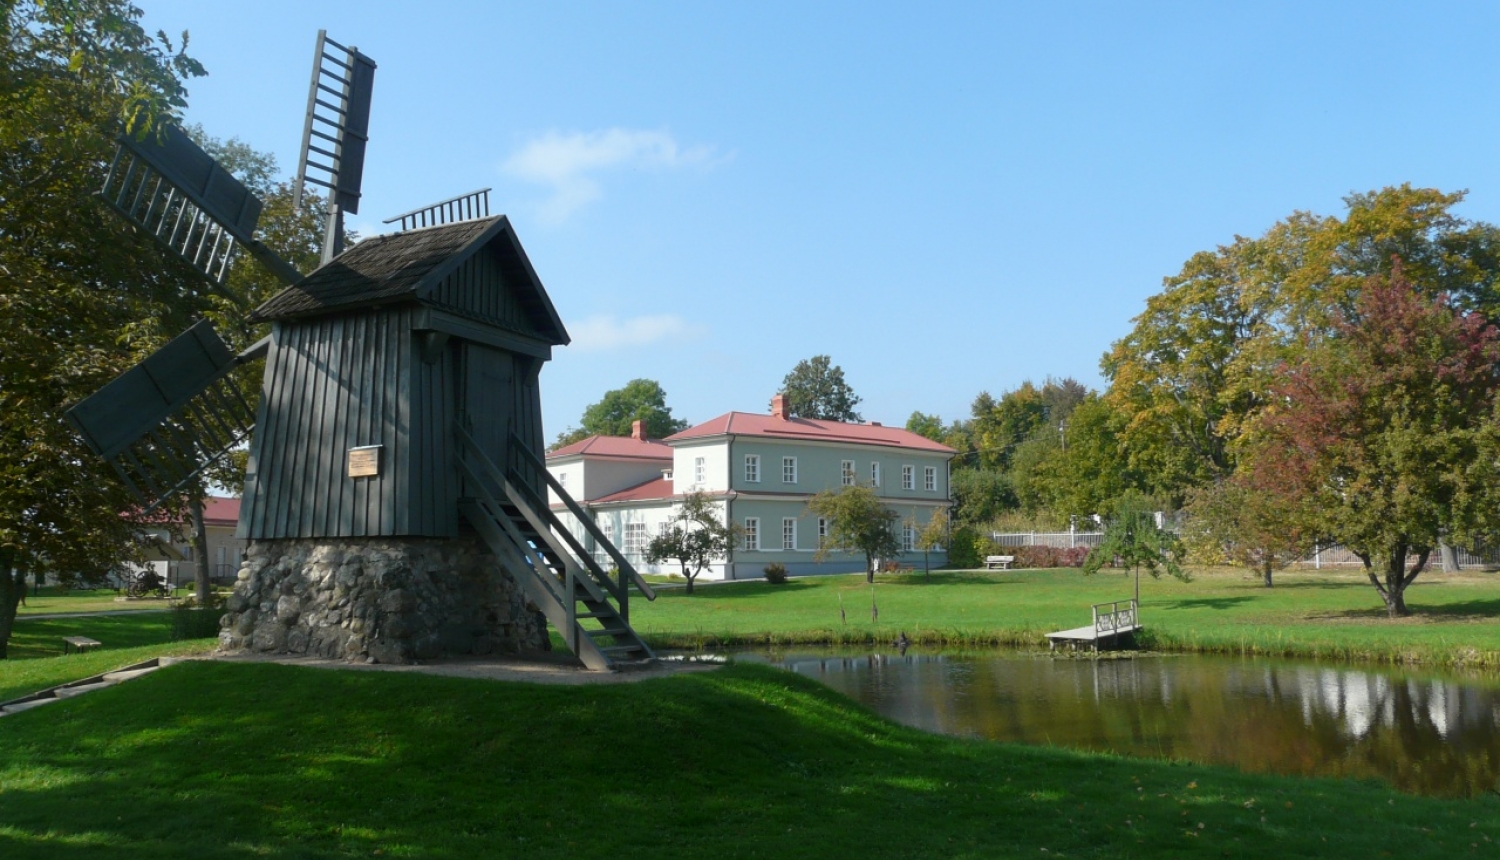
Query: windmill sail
176, 192
164, 421
335, 132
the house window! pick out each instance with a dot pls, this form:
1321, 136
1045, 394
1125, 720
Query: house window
822, 532
908, 477
789, 470
908, 538
562, 480
609, 531
929, 478
635, 538
847, 468
752, 533
752, 468
875, 473
699, 471
789, 533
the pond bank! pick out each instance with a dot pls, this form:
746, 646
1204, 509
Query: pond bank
1314, 615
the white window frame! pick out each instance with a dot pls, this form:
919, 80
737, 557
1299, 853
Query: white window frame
908, 538
788, 470
752, 468
700, 471
752, 534
846, 470
929, 478
788, 532
635, 539
908, 477
562, 480
822, 531
608, 528
875, 473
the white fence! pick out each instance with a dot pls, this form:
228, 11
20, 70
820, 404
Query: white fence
1327, 556
1056, 540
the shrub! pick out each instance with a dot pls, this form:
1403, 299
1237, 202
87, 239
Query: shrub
1048, 556
965, 551
775, 573
195, 623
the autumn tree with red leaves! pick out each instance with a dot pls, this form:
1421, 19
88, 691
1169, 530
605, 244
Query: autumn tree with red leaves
1384, 433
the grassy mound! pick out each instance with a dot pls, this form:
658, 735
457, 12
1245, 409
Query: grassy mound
215, 760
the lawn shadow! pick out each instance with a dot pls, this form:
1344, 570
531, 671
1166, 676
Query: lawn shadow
1205, 603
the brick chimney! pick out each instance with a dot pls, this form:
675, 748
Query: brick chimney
638, 430
778, 407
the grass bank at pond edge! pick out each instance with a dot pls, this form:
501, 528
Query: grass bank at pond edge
215, 760
1326, 615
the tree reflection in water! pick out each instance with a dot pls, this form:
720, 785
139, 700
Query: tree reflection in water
1425, 734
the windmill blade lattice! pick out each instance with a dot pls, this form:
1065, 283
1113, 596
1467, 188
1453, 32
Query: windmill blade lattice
164, 421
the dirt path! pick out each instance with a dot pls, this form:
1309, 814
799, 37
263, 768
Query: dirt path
548, 668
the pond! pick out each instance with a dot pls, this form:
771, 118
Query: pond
1422, 732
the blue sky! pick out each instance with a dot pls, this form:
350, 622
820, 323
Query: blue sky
945, 198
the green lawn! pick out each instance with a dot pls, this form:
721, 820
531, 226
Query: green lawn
1314, 614
55, 600
124, 639
256, 760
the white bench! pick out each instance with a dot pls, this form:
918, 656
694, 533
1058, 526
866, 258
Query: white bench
79, 643
999, 562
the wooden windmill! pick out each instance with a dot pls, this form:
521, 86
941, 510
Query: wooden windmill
395, 501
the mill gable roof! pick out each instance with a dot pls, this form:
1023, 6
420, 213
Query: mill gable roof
808, 430
411, 266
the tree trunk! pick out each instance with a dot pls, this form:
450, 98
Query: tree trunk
1450, 559
690, 577
1392, 582
200, 551
12, 581
1265, 569
869, 569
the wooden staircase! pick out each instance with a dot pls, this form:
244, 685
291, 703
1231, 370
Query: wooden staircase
589, 608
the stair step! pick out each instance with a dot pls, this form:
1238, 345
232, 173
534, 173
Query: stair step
610, 613
617, 632
622, 649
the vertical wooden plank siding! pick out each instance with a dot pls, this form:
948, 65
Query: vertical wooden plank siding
478, 288
334, 383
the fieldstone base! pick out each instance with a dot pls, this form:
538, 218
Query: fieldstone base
387, 600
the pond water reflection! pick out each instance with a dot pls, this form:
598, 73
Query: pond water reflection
1423, 733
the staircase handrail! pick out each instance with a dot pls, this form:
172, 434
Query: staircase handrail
583, 517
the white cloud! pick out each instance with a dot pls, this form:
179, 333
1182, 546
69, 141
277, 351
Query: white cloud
568, 162
605, 332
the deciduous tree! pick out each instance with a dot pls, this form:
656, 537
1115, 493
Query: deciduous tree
1134, 540
858, 521
640, 400
1385, 433
81, 295
815, 388
1263, 531
695, 538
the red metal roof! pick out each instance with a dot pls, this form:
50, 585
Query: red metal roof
219, 511
656, 489
809, 430
616, 446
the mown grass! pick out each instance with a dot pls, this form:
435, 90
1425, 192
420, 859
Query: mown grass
55, 600
255, 760
124, 639
1330, 615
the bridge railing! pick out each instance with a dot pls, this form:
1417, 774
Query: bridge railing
1111, 618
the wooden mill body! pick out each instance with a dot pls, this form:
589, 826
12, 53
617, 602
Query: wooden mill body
375, 356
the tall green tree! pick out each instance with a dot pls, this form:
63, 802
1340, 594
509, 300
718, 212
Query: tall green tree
858, 521
1198, 363
82, 296
815, 388
640, 400
1386, 434
1265, 532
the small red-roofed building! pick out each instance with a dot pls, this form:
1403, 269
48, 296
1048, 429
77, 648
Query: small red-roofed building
172, 550
761, 470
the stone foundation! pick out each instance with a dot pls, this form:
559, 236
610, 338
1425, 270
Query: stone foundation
387, 600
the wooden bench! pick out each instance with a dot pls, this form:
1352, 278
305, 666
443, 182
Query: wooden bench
999, 562
80, 643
